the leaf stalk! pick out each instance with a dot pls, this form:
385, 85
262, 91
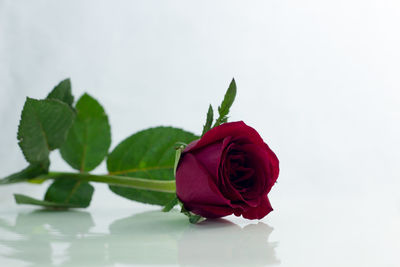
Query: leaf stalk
167, 186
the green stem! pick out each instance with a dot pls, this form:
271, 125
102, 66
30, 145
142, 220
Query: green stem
167, 186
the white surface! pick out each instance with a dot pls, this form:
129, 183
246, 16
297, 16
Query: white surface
302, 231
318, 79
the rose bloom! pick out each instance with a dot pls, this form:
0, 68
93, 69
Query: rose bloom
229, 170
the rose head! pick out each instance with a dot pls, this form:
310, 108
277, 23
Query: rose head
229, 170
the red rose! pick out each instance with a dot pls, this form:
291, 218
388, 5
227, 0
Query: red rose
229, 170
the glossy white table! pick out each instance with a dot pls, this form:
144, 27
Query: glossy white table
304, 231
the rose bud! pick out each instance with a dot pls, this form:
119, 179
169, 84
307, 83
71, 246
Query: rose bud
229, 170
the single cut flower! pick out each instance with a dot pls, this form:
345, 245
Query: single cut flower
230, 170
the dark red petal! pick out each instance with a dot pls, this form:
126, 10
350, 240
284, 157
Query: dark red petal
194, 184
274, 163
223, 181
209, 211
238, 128
257, 159
209, 157
249, 191
258, 212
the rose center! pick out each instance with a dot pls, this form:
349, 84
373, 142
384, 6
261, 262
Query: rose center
240, 174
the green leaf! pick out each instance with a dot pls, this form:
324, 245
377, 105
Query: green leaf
23, 199
193, 218
170, 205
30, 172
210, 118
147, 154
178, 154
38, 180
62, 92
89, 137
70, 191
226, 104
63, 193
43, 127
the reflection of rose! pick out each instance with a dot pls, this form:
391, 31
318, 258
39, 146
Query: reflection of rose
222, 243
156, 238
146, 238
229, 170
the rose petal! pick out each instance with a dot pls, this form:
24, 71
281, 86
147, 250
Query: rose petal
209, 158
194, 184
257, 159
238, 128
274, 166
209, 211
258, 212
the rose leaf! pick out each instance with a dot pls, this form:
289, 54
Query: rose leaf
210, 118
226, 104
148, 154
30, 172
89, 137
43, 127
62, 92
63, 193
170, 205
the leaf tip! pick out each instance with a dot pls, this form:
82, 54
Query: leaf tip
17, 198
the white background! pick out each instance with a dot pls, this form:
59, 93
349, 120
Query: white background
319, 80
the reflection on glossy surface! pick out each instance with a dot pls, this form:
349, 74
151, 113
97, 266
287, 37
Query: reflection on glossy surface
36, 232
42, 238
227, 244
